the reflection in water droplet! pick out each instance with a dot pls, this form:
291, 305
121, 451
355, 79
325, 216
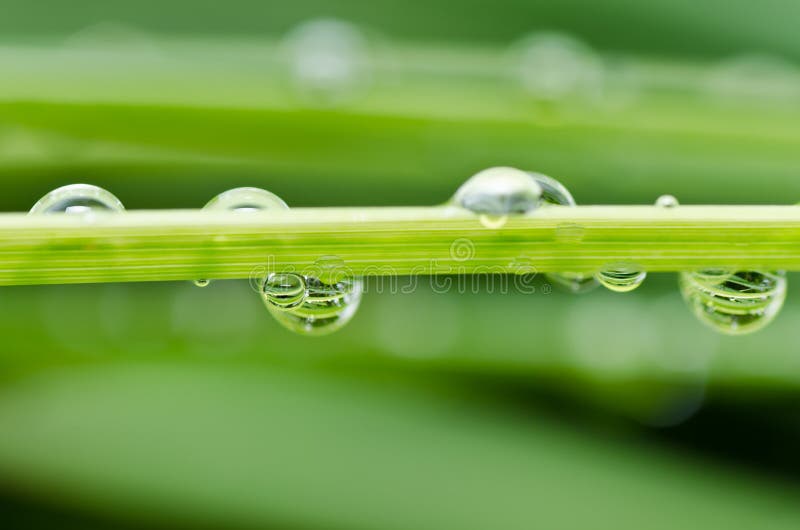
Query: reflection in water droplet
621, 277
77, 199
554, 66
325, 308
498, 192
243, 200
734, 303
328, 60
667, 201
284, 290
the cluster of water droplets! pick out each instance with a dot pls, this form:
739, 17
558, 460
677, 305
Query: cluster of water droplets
732, 302
325, 297
315, 302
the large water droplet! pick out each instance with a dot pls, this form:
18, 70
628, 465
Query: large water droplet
77, 199
243, 200
498, 192
284, 290
621, 277
325, 308
734, 303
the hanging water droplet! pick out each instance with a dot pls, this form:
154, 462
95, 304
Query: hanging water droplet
325, 308
734, 303
243, 200
621, 277
498, 192
284, 290
77, 199
667, 201
553, 192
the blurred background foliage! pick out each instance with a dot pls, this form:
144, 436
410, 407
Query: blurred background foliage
170, 406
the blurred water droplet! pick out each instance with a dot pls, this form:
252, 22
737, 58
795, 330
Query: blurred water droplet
328, 60
325, 308
621, 277
77, 199
284, 290
554, 66
667, 201
243, 200
734, 303
498, 192
757, 78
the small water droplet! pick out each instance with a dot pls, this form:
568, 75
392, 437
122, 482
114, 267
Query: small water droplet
77, 199
734, 303
574, 282
569, 233
284, 290
498, 192
621, 277
325, 308
667, 201
243, 200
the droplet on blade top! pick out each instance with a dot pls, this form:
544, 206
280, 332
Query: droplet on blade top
284, 290
667, 201
621, 277
498, 192
77, 199
555, 193
734, 303
325, 309
243, 200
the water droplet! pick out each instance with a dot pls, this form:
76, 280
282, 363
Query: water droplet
554, 65
284, 290
243, 200
498, 192
77, 199
555, 193
328, 60
734, 303
325, 308
621, 277
667, 201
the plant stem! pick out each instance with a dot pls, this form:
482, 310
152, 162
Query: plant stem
189, 244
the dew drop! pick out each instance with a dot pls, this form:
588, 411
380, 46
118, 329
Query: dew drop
325, 308
498, 192
621, 277
284, 290
667, 201
243, 200
77, 199
574, 282
734, 303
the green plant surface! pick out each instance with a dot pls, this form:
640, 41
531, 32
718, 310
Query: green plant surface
175, 245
